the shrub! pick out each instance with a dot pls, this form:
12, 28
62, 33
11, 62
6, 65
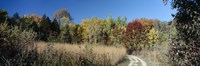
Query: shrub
13, 42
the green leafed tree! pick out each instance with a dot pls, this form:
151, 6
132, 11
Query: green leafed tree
185, 46
26, 21
64, 28
121, 22
73, 30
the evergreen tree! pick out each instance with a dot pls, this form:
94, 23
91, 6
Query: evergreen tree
16, 19
3, 16
55, 27
45, 27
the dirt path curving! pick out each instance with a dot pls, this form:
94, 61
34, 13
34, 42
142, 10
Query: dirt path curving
134, 60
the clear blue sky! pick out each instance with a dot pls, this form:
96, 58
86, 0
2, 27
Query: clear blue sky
81, 9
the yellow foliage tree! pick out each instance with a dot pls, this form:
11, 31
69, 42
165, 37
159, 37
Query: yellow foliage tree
152, 36
96, 30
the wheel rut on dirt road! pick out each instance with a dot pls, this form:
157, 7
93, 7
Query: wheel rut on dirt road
134, 61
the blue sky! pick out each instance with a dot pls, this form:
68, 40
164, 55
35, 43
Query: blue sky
81, 9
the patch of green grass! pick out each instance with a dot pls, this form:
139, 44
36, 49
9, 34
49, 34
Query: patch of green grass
148, 61
124, 63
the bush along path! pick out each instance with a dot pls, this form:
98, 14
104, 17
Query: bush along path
134, 61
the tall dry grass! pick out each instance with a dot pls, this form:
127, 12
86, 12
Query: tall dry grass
96, 54
157, 55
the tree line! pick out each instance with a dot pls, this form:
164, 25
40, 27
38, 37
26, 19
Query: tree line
134, 35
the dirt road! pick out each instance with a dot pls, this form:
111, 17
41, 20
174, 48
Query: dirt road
134, 61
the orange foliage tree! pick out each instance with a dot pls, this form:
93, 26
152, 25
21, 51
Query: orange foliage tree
135, 36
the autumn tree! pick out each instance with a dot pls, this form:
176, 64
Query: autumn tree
36, 18
148, 23
62, 13
73, 31
116, 36
90, 30
117, 30
106, 27
135, 36
96, 30
151, 30
164, 30
153, 37
63, 18
80, 34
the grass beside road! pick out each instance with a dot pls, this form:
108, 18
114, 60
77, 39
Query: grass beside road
125, 62
96, 54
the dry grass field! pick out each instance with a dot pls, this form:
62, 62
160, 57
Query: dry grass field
98, 54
